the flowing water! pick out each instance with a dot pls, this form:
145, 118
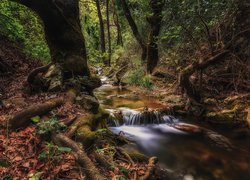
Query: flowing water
186, 155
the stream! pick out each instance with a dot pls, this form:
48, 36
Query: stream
186, 156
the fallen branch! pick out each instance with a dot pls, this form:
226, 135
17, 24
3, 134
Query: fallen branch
185, 74
22, 119
81, 157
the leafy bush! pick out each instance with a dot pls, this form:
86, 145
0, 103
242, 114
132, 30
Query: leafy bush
21, 25
147, 82
51, 150
51, 125
138, 78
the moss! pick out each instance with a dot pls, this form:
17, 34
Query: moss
136, 156
222, 116
86, 133
99, 119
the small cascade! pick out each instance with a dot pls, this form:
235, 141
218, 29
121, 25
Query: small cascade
136, 118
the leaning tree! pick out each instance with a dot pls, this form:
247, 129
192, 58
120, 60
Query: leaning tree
66, 42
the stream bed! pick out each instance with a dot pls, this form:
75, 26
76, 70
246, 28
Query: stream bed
186, 155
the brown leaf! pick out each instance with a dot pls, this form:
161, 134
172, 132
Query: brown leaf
18, 158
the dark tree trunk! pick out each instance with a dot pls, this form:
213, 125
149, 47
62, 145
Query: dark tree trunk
134, 29
118, 26
63, 34
102, 33
155, 25
108, 31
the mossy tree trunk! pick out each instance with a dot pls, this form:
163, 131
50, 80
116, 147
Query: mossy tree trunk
155, 25
63, 34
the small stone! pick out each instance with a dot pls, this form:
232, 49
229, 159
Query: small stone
188, 177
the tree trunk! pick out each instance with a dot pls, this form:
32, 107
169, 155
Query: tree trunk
134, 29
118, 26
63, 34
108, 31
102, 33
155, 25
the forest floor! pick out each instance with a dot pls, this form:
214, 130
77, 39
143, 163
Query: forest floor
21, 151
26, 155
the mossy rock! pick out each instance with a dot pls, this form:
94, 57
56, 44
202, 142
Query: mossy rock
86, 135
90, 123
224, 116
88, 102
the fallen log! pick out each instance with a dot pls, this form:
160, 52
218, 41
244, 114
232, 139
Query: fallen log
23, 118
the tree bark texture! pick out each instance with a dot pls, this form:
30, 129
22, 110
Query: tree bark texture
63, 33
155, 26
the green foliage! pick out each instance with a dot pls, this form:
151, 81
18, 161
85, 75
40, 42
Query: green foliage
51, 125
182, 28
135, 77
21, 25
35, 119
35, 176
147, 82
138, 78
51, 151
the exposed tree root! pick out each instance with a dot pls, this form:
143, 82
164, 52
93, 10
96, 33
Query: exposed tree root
81, 157
86, 126
103, 161
22, 119
151, 167
31, 77
122, 152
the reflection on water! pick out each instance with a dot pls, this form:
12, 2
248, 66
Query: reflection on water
180, 152
114, 97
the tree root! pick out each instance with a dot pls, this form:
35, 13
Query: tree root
22, 119
86, 126
73, 128
103, 161
151, 167
31, 77
122, 152
81, 157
